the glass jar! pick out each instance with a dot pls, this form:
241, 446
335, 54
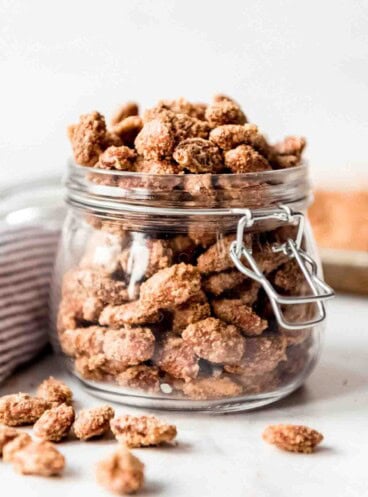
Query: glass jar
195, 292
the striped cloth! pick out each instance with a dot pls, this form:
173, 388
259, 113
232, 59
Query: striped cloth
27, 256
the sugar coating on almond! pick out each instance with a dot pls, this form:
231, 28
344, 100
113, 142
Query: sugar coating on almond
193, 310
7, 434
12, 447
230, 136
217, 257
38, 458
120, 158
212, 388
96, 283
177, 358
291, 145
200, 234
143, 258
215, 341
293, 438
131, 313
177, 106
77, 309
171, 286
267, 259
21, 409
290, 278
55, 423
225, 111
83, 341
198, 156
55, 391
93, 422
88, 138
221, 282
129, 346
233, 311
127, 129
92, 367
142, 431
156, 140
262, 354
140, 377
121, 472
244, 159
259, 383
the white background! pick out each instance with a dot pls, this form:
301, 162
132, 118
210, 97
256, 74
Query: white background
297, 67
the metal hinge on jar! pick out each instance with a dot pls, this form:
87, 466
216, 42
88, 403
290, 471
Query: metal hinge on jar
320, 291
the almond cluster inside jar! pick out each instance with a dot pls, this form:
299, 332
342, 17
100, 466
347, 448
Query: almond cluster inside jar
165, 311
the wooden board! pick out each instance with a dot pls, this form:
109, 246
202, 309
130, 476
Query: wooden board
346, 271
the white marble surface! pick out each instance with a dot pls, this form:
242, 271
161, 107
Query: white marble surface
224, 455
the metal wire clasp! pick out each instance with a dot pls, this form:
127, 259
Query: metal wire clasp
320, 291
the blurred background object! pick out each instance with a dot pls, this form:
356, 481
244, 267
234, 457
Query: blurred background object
340, 224
340, 219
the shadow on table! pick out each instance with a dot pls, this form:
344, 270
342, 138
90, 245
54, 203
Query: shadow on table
343, 373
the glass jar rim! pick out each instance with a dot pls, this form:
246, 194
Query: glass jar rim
118, 191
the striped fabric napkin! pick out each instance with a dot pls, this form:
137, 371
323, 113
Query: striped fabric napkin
27, 254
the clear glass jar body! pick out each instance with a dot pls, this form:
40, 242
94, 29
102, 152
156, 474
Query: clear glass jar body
149, 308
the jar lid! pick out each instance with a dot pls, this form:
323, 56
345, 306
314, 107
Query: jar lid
37, 202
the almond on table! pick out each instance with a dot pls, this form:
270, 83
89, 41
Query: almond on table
55, 423
93, 422
18, 443
121, 472
142, 431
171, 286
55, 391
38, 458
7, 434
293, 438
21, 409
